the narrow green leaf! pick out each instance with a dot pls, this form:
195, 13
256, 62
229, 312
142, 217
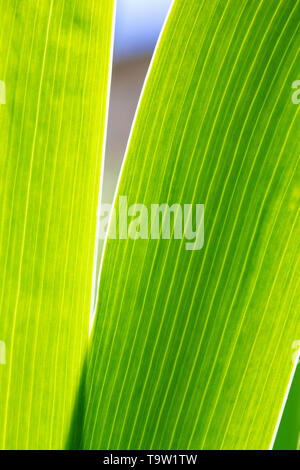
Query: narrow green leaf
288, 436
192, 349
55, 58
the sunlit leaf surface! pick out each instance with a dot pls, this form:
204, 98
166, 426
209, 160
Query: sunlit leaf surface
192, 349
55, 66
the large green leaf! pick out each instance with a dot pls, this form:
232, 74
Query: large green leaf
55, 58
192, 349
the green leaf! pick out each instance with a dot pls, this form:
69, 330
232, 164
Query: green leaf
288, 436
192, 349
55, 60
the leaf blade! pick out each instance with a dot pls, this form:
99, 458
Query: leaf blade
166, 356
52, 129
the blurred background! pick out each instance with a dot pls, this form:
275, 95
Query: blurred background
138, 25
